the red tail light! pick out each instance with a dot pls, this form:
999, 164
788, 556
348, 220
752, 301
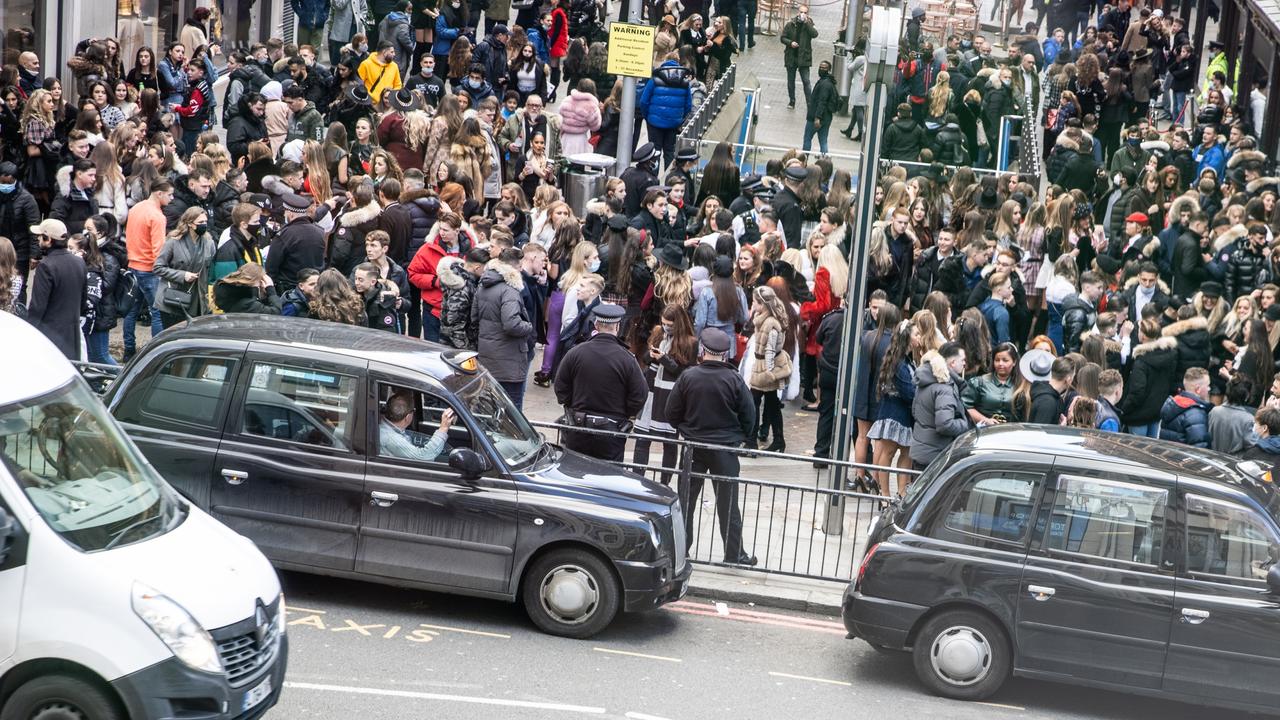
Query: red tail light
866, 560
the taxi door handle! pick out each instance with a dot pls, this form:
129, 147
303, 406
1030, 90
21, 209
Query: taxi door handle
383, 499
1191, 616
1040, 593
234, 477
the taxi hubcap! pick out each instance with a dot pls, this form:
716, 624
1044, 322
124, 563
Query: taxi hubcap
961, 656
569, 594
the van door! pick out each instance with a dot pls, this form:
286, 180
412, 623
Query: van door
422, 522
291, 465
1225, 641
1096, 598
13, 573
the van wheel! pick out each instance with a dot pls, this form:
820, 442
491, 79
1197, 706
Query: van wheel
571, 593
962, 655
60, 697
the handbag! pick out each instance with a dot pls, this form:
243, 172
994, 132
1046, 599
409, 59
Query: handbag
981, 133
177, 301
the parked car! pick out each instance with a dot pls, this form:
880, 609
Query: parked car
118, 599
1080, 556
276, 427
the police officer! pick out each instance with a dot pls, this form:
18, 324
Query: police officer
683, 168
745, 200
787, 205
711, 404
746, 225
600, 384
640, 177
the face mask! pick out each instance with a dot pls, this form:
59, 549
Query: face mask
1005, 83
202, 228
1134, 142
966, 44
595, 265
362, 49
7, 188
456, 4
254, 230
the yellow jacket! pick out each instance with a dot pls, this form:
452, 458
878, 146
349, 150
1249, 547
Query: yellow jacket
379, 78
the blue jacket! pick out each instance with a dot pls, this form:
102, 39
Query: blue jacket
1185, 419
1214, 157
667, 99
897, 405
310, 13
1051, 50
541, 48
444, 37
997, 316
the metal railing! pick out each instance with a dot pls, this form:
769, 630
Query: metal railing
752, 158
798, 526
698, 121
919, 168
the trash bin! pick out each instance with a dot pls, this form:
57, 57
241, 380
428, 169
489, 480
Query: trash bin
584, 179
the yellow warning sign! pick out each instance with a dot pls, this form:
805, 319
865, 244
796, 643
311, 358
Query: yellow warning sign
631, 49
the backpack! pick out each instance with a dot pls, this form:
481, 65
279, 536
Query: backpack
126, 287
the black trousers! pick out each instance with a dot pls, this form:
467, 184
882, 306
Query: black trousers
771, 419
729, 519
604, 447
670, 452
415, 312
808, 373
826, 413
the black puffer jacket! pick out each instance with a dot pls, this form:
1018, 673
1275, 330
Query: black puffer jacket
926, 277
903, 140
244, 299
1078, 317
1247, 270
222, 200
1150, 382
459, 288
1194, 344
183, 200
948, 146
423, 207
346, 247
243, 129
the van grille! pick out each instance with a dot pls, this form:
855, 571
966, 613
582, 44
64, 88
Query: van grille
681, 540
244, 655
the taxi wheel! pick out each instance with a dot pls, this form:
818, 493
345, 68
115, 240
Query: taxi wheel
962, 655
60, 697
571, 593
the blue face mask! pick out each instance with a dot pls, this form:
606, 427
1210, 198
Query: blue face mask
595, 265
7, 188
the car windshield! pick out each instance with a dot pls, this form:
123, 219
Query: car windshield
511, 434
80, 472
1264, 487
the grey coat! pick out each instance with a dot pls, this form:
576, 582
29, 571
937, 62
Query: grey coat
177, 257
346, 18
396, 29
938, 412
504, 327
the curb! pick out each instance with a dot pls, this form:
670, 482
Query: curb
821, 597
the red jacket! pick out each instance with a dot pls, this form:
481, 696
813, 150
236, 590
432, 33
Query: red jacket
559, 34
422, 271
813, 311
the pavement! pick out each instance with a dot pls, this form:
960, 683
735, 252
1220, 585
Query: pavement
359, 650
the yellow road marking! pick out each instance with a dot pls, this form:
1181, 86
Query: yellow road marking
291, 608
811, 679
502, 636
639, 655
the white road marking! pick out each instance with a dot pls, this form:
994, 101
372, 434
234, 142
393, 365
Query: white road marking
642, 716
291, 608
561, 707
635, 654
502, 636
811, 679
999, 705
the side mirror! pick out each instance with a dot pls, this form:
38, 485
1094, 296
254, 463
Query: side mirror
469, 463
1273, 579
6, 534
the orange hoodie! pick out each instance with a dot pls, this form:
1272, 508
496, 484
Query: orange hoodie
144, 234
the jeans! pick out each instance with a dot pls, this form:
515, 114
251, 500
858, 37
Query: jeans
749, 39
822, 132
147, 283
855, 121
740, 26
96, 343
791, 83
1180, 114
430, 324
515, 391
729, 518
665, 140
1151, 430
335, 52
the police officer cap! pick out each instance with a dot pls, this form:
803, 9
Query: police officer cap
296, 203
765, 192
751, 182
262, 200
608, 313
618, 222
687, 154
714, 340
796, 172
645, 153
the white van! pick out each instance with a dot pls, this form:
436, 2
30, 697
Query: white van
118, 598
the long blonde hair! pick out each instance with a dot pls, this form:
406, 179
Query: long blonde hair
34, 109
417, 129
221, 158
878, 249
672, 286
940, 95
832, 259
317, 171
577, 265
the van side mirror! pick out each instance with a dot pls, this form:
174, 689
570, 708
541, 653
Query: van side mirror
469, 463
1273, 579
6, 534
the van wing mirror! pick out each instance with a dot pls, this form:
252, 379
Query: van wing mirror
469, 463
1273, 579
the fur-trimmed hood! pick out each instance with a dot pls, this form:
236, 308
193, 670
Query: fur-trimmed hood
1256, 185
496, 271
1067, 142
450, 272
1111, 345
360, 215
1240, 157
1152, 145
932, 369
595, 206
274, 185
1230, 235
1133, 281
475, 142
411, 195
1164, 343
1186, 326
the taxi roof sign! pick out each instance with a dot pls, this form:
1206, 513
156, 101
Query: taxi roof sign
631, 50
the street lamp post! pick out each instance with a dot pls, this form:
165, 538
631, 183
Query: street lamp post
882, 60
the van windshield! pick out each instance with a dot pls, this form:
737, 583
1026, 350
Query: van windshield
511, 434
78, 470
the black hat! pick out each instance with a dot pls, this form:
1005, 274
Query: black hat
357, 94
262, 200
1215, 45
671, 255
8, 168
751, 182
1211, 289
1083, 210
796, 172
608, 313
645, 153
617, 222
723, 267
1108, 264
296, 203
501, 29
765, 192
715, 340
1272, 312
404, 100
687, 154
989, 199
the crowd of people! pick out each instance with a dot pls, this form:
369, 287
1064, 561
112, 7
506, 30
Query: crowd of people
1135, 292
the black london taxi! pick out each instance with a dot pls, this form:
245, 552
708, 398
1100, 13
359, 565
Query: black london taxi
276, 427
1084, 557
